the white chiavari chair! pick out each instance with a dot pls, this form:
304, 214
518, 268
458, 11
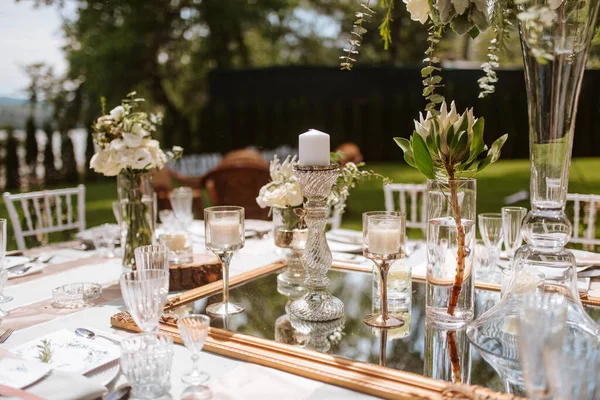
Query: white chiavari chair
412, 201
45, 212
585, 207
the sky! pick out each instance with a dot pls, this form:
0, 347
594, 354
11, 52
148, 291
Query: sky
28, 35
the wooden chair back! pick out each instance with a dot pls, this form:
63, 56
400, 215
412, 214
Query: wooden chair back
238, 184
45, 212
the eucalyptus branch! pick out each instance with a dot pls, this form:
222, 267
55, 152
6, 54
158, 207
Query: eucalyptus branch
431, 79
357, 33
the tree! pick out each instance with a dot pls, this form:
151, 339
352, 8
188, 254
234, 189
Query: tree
49, 167
12, 160
69, 171
31, 144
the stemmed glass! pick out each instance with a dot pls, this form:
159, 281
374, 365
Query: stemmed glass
224, 234
383, 242
512, 218
145, 295
194, 330
490, 229
152, 257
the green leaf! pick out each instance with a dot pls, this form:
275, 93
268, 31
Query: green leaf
474, 32
494, 151
422, 156
461, 24
426, 71
404, 144
436, 98
428, 90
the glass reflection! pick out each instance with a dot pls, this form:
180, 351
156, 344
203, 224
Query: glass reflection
405, 348
447, 353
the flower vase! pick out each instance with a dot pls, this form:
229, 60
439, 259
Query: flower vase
290, 233
554, 55
136, 207
447, 353
449, 299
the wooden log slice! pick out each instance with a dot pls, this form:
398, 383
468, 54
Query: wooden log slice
204, 269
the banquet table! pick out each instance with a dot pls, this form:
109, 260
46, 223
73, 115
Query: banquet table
32, 316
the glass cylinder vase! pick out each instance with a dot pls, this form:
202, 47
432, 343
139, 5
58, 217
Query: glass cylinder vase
450, 240
290, 233
136, 206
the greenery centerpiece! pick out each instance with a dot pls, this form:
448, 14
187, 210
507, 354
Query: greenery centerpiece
126, 150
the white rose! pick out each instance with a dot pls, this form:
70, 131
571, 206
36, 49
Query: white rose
294, 194
117, 113
117, 145
418, 9
105, 162
142, 159
131, 140
276, 195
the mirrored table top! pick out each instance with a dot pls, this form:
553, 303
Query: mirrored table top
419, 346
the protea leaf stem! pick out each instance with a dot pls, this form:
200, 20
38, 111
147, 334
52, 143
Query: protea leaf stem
460, 239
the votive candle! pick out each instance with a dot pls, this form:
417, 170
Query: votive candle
384, 239
225, 232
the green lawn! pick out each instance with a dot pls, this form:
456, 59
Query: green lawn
498, 181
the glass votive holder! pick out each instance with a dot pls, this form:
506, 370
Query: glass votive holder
146, 361
104, 238
180, 245
75, 295
399, 289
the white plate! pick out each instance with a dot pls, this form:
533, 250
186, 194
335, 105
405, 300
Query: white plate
11, 261
345, 236
106, 373
88, 234
586, 257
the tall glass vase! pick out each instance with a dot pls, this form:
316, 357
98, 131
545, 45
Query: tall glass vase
136, 201
290, 233
555, 51
450, 242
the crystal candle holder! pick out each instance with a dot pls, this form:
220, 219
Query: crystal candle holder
317, 304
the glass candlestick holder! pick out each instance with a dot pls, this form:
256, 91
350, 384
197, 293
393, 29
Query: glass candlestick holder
317, 304
224, 235
383, 243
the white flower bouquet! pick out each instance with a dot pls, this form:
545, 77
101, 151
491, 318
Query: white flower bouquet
283, 190
124, 140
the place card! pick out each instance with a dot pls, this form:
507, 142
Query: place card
18, 373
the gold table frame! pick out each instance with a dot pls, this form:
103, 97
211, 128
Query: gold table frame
355, 375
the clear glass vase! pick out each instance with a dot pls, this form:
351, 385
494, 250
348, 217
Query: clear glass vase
555, 55
290, 233
447, 353
136, 206
449, 296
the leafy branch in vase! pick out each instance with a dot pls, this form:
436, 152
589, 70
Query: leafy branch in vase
447, 147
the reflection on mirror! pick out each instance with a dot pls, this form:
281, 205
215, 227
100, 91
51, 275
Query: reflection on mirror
417, 347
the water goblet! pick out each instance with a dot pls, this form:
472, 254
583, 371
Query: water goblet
512, 218
146, 361
541, 325
154, 256
383, 243
224, 235
182, 202
145, 294
194, 330
490, 229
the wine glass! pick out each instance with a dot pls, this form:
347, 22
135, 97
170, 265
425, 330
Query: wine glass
194, 330
145, 294
490, 229
224, 234
383, 242
152, 257
512, 217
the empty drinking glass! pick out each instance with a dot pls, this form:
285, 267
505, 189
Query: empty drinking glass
181, 202
152, 257
3, 272
3, 299
512, 218
541, 322
145, 294
146, 361
104, 238
3, 240
224, 235
194, 330
490, 229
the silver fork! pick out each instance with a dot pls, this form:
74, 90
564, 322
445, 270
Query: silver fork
6, 335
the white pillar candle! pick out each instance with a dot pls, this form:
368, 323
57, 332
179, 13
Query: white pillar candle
313, 148
384, 239
225, 232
